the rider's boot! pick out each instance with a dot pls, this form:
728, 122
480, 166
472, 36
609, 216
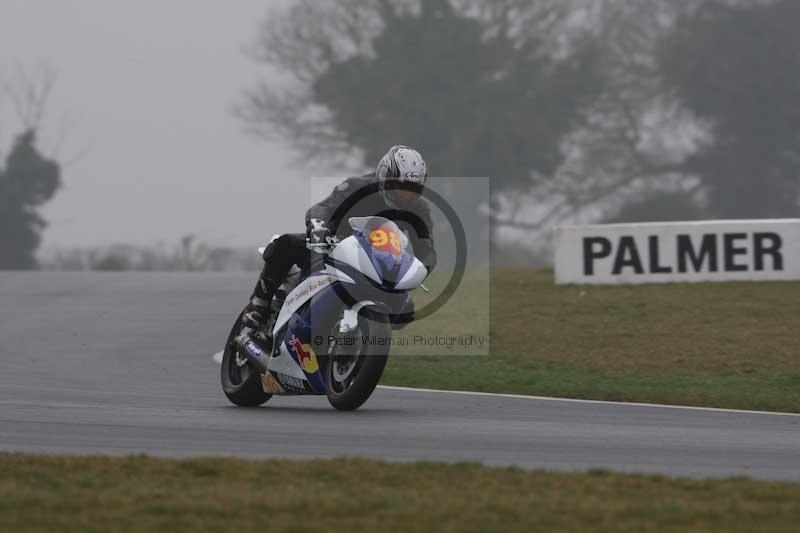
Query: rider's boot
258, 311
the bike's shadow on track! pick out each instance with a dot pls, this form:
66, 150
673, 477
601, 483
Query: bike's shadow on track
317, 409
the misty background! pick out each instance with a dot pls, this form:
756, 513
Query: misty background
140, 120
178, 135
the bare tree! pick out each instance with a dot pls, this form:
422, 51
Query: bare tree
298, 45
497, 100
27, 178
629, 140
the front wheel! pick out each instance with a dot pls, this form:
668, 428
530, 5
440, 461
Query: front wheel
241, 383
354, 368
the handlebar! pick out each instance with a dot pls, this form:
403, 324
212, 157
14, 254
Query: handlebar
319, 247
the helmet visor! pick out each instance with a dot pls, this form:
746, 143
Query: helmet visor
404, 191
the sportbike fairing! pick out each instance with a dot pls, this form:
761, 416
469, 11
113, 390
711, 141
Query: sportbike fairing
379, 250
387, 247
377, 258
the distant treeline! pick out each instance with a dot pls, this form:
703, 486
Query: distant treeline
186, 256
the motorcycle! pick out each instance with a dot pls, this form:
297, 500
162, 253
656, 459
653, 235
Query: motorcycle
332, 330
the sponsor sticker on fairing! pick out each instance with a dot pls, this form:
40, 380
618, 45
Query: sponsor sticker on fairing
305, 355
271, 385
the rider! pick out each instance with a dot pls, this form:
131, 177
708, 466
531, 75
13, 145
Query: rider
393, 191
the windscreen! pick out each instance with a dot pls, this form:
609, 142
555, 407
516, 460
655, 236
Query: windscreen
383, 234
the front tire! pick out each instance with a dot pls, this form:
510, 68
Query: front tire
349, 388
241, 383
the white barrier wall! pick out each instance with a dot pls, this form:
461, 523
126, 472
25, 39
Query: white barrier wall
664, 252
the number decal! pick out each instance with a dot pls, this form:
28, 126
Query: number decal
379, 238
385, 240
395, 242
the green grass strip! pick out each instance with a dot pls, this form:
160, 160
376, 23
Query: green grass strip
146, 494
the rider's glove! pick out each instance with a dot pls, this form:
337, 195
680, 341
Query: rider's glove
319, 233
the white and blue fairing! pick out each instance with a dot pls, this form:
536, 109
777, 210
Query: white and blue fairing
355, 261
389, 267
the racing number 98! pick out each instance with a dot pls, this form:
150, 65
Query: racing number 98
382, 239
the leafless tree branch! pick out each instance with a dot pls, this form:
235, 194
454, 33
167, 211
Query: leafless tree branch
29, 92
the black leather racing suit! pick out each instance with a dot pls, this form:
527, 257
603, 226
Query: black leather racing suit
354, 197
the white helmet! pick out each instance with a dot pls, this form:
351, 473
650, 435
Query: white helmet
407, 170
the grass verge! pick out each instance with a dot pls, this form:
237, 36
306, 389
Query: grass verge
141, 493
734, 345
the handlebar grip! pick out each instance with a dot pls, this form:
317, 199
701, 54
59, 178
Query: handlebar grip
319, 246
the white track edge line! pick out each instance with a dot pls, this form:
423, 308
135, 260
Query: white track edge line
217, 357
596, 402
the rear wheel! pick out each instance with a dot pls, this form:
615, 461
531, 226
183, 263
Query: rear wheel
241, 383
354, 368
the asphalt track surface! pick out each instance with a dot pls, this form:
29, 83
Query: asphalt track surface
121, 363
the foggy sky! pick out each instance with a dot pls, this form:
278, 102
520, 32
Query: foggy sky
143, 96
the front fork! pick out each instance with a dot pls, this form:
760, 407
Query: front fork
349, 321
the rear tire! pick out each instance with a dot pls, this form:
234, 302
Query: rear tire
241, 383
370, 362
